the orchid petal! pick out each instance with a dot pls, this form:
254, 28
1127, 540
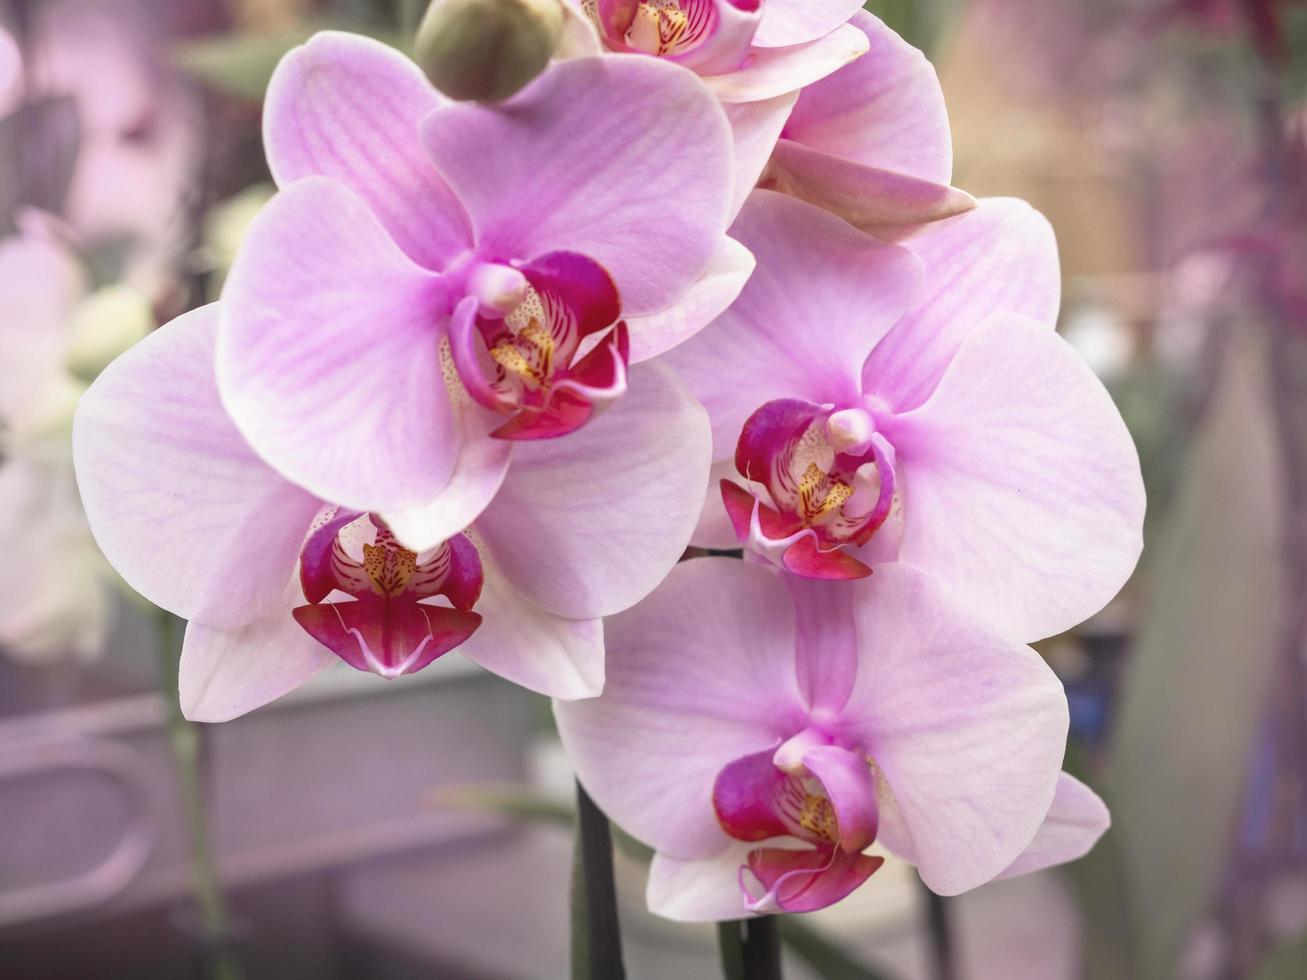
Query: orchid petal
328, 353
1000, 258
885, 110
967, 728
776, 71
826, 651
755, 126
699, 674
348, 107
795, 21
1022, 485
715, 530
706, 300
624, 160
705, 889
778, 341
588, 525
847, 779
183, 508
226, 673
805, 881
1073, 825
558, 657
884, 203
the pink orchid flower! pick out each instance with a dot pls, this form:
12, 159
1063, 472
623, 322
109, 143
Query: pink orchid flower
755, 55
871, 142
870, 404
278, 583
761, 733
436, 283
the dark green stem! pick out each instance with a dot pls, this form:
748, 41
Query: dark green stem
941, 936
598, 954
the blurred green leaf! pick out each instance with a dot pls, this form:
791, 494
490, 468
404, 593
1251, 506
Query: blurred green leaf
1288, 961
1197, 681
240, 65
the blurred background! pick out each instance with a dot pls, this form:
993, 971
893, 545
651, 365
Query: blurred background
423, 828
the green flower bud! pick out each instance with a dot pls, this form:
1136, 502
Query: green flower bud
487, 49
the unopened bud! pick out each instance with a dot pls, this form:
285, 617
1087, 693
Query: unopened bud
487, 49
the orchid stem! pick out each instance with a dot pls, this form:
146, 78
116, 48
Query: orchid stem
602, 946
941, 936
761, 948
217, 954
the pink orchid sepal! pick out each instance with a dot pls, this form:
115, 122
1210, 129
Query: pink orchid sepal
929, 380
761, 732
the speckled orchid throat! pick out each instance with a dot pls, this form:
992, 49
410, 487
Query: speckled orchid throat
541, 343
375, 604
821, 484
708, 36
811, 793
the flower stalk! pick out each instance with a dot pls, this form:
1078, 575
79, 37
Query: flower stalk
596, 931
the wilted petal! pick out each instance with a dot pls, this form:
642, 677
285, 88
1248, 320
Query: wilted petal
348, 107
1022, 487
699, 674
968, 729
328, 355
1073, 825
227, 672
820, 298
587, 525
772, 72
624, 160
1000, 258
558, 657
183, 508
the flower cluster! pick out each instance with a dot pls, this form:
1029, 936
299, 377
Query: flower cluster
480, 373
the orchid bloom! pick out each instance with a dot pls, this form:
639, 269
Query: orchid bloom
870, 404
436, 283
278, 583
761, 733
755, 56
56, 585
871, 142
